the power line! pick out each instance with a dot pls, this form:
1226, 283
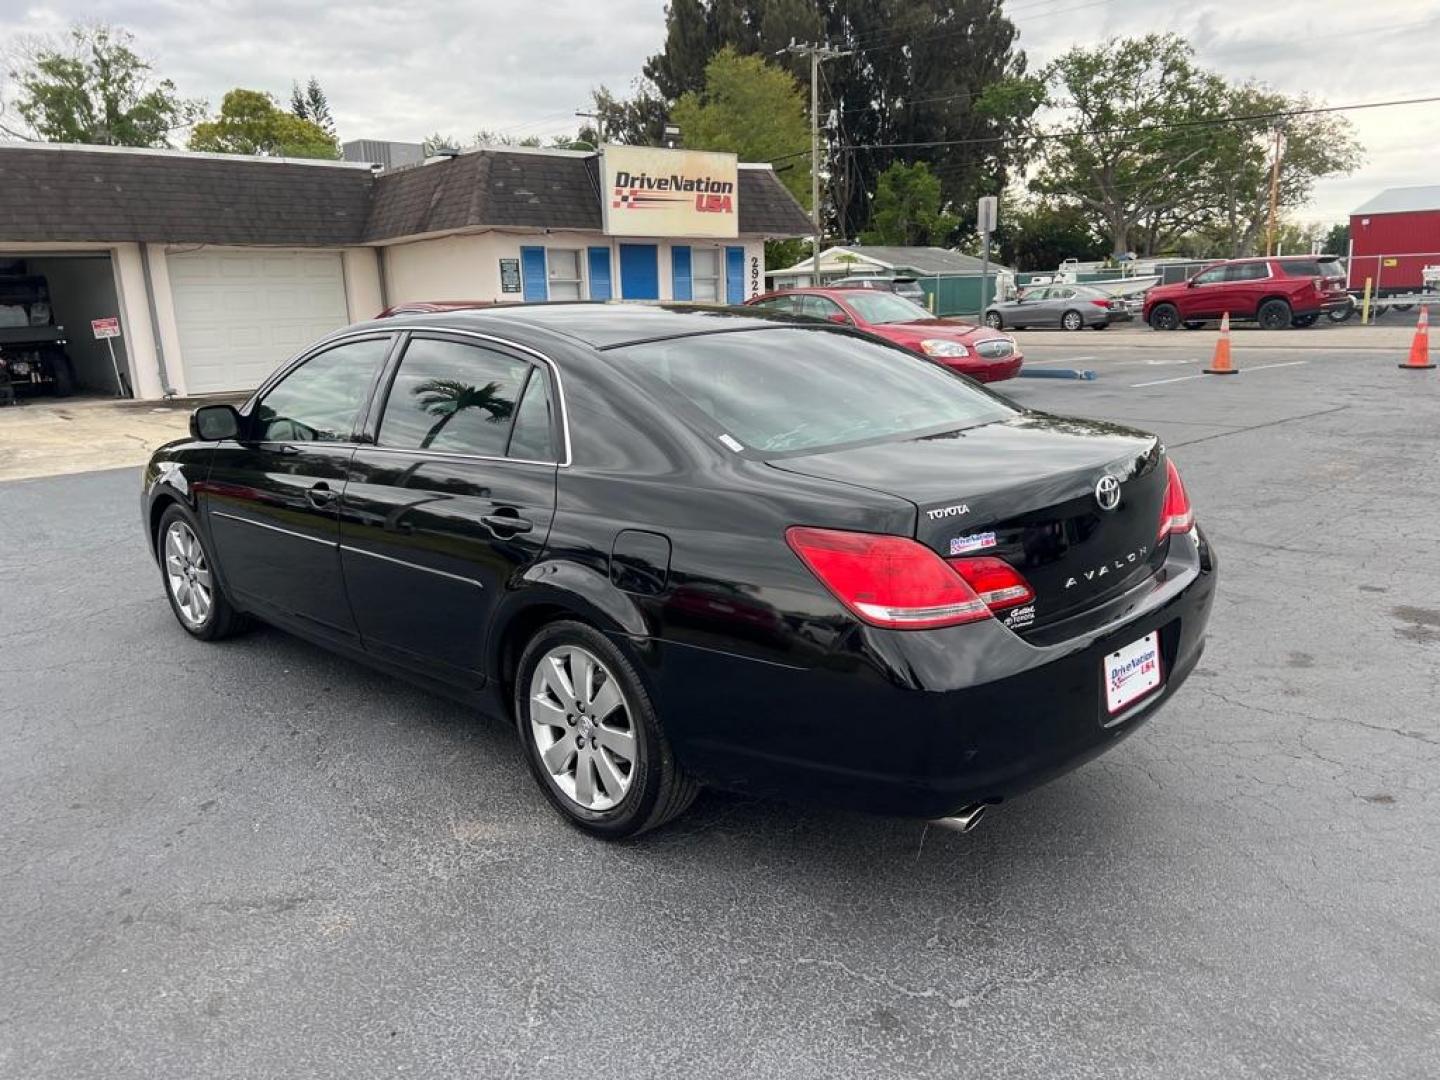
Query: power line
1141, 128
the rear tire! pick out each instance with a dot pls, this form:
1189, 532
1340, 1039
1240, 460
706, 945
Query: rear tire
1274, 315
994, 321
1072, 320
187, 569
591, 735
1164, 317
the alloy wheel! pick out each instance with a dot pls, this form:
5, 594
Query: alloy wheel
188, 574
1072, 320
582, 727
992, 320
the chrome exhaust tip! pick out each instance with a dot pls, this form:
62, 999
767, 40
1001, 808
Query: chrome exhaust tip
964, 819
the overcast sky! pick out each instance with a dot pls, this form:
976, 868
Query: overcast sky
402, 70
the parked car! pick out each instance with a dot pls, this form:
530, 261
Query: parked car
1070, 307
907, 287
682, 546
972, 350
32, 346
1276, 292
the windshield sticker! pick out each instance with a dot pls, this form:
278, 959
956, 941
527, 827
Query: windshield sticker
733, 444
963, 545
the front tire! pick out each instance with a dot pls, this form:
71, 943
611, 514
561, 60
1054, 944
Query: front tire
188, 571
1072, 320
1164, 317
1274, 315
592, 737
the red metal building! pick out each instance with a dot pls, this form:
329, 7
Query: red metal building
1393, 237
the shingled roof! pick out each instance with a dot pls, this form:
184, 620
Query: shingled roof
56, 194
53, 194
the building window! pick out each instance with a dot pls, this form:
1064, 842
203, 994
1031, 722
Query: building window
564, 273
705, 274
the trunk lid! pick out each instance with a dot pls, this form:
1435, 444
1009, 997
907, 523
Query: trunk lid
1024, 490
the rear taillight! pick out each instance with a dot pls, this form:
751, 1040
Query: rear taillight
1176, 516
1101, 303
995, 581
889, 581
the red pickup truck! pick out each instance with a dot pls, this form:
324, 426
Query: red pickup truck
1277, 292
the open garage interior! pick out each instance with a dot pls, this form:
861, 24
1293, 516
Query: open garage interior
239, 313
47, 302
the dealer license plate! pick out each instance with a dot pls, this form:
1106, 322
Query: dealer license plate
1132, 672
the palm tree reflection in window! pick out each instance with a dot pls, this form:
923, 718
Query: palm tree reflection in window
448, 398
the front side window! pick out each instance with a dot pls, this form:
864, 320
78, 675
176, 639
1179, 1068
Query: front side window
818, 307
452, 397
1213, 276
564, 273
705, 274
320, 400
786, 390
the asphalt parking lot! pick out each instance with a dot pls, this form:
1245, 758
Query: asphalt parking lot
255, 859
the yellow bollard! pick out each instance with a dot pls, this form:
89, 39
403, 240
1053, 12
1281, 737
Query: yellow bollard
1365, 307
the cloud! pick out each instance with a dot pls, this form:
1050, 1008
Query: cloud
401, 71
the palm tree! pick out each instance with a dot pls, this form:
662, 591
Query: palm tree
448, 398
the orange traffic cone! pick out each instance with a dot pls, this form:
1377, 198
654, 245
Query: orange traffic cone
1220, 362
1420, 346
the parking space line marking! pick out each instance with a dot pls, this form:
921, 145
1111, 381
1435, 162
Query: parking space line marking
1161, 382
1187, 378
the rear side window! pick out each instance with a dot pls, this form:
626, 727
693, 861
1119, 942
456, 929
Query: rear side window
792, 390
319, 401
782, 304
1250, 271
533, 436
452, 397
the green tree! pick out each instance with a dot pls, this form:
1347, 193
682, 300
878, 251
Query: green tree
1337, 239
909, 208
927, 72
1133, 131
312, 104
93, 88
1041, 235
750, 108
638, 120
250, 122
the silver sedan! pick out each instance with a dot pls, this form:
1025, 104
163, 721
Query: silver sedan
1070, 307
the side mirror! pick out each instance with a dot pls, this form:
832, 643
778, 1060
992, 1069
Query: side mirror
215, 422
1190, 284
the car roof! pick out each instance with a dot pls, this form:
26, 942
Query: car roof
601, 324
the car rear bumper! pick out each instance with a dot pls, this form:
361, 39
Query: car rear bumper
937, 720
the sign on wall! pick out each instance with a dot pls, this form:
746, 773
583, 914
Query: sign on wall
509, 275
653, 192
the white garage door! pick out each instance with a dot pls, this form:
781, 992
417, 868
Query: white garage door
242, 313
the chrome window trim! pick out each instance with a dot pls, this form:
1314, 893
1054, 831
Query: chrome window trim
566, 458
273, 528
413, 566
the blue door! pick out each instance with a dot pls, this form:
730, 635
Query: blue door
640, 271
600, 274
532, 275
734, 275
680, 272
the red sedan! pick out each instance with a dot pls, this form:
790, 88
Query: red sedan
977, 351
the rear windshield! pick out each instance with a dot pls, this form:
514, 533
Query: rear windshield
782, 391
1313, 267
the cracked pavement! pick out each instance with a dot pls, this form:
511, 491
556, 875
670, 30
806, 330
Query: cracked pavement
256, 859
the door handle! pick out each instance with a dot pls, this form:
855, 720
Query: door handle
506, 521
320, 496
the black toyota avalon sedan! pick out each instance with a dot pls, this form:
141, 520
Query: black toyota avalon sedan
682, 546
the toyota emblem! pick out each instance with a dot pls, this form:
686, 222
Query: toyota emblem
1107, 493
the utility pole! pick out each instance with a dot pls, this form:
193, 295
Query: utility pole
816, 53
1274, 194
599, 119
